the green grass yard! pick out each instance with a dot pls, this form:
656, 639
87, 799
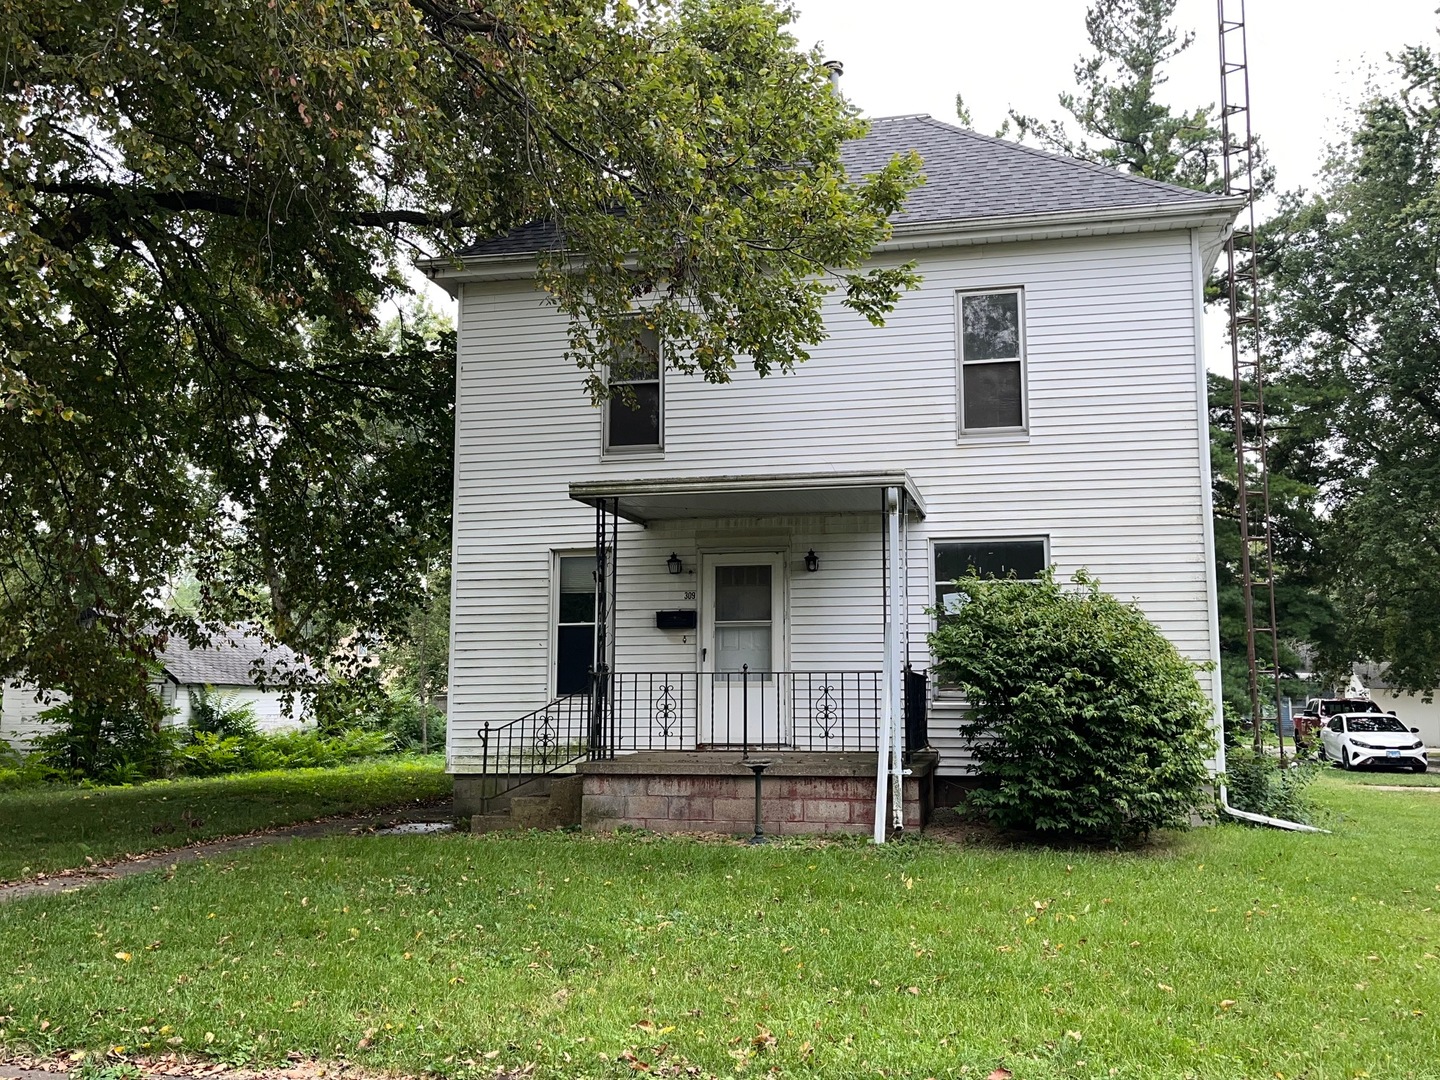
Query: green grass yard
55, 828
1402, 779
1227, 952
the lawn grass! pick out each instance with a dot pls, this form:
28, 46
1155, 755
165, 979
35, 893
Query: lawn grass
1400, 779
1227, 952
54, 828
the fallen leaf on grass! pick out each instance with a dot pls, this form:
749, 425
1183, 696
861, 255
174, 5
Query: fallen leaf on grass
1001, 1073
1227, 1003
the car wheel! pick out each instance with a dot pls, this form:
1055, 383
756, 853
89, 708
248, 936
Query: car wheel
1420, 766
1345, 758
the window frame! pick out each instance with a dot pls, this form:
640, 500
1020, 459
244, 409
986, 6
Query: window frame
945, 690
961, 363
1043, 539
625, 450
552, 674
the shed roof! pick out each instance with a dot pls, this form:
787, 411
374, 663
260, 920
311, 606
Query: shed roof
968, 177
230, 659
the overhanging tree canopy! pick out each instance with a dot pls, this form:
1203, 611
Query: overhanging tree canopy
206, 205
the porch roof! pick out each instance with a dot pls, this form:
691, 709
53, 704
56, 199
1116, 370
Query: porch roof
675, 498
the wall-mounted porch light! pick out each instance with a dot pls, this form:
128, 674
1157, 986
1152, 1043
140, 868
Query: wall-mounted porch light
673, 563
812, 561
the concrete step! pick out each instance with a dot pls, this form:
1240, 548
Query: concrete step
529, 807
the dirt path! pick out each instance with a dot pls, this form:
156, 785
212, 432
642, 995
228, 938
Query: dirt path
66, 881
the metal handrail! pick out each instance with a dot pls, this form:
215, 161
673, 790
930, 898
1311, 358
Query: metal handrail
541, 742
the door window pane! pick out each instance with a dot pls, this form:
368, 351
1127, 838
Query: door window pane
739, 646
991, 394
742, 594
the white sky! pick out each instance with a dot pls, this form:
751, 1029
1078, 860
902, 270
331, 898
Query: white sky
1308, 59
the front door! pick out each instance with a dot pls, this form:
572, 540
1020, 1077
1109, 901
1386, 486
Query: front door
742, 649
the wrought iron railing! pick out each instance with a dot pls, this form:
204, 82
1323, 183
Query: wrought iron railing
536, 744
750, 710
686, 710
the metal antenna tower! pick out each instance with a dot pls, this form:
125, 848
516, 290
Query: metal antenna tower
1252, 473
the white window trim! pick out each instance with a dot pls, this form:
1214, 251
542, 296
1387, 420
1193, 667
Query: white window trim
997, 433
553, 631
648, 449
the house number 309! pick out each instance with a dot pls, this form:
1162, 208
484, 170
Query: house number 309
689, 594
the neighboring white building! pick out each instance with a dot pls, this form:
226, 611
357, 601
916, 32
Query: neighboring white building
1413, 709
1039, 399
228, 667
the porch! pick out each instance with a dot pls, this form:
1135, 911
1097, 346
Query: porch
737, 675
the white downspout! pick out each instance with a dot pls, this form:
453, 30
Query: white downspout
882, 756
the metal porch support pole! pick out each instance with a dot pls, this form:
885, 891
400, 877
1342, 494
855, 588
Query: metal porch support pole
882, 763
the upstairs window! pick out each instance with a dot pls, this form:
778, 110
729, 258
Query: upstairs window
634, 413
992, 361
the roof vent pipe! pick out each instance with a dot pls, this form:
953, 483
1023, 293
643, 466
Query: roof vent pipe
836, 69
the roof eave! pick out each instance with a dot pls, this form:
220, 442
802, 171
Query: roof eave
1216, 212
1208, 213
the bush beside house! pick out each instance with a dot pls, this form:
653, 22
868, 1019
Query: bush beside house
1085, 721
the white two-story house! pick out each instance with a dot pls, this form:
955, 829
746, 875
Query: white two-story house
663, 590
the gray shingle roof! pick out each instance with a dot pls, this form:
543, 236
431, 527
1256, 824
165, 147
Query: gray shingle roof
967, 177
229, 659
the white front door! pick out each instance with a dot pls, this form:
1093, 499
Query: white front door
742, 643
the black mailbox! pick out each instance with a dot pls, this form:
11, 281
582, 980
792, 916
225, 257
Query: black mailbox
675, 620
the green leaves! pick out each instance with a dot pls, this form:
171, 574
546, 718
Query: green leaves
207, 207
1355, 302
1086, 720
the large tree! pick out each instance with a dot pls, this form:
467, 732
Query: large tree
1304, 611
1355, 292
206, 205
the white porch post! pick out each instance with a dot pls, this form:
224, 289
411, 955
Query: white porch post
888, 779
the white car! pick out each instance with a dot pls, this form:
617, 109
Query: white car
1371, 738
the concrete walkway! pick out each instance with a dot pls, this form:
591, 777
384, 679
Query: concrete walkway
67, 881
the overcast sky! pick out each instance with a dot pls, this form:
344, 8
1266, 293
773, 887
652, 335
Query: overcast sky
1308, 59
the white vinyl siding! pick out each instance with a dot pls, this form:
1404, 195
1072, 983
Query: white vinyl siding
20, 712
1110, 469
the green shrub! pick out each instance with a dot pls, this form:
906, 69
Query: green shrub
18, 770
117, 742
219, 714
1257, 783
1085, 721
211, 754
410, 724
